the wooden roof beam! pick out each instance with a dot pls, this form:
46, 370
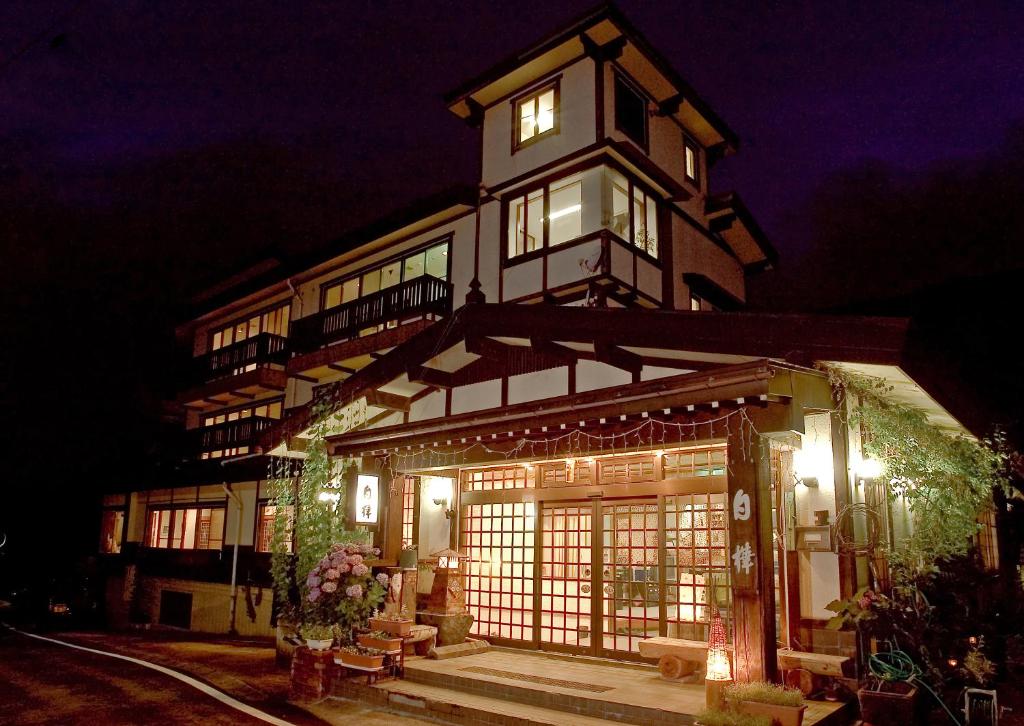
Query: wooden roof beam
389, 401
615, 356
430, 377
554, 350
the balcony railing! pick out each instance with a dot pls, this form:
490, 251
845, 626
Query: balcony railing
256, 351
231, 434
423, 294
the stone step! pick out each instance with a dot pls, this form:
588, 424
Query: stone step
540, 694
460, 707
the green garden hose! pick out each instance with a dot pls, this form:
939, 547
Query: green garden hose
895, 665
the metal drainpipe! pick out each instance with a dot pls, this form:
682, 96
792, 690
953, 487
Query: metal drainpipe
238, 538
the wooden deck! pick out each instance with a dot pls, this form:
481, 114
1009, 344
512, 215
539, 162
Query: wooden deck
582, 688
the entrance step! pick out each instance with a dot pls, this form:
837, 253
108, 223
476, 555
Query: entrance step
460, 707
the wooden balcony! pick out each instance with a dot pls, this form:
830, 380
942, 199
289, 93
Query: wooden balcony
231, 360
231, 434
420, 296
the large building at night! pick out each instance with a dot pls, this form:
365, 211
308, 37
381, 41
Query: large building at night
551, 372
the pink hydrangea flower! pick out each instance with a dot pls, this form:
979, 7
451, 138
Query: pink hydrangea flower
355, 559
354, 591
332, 574
330, 586
343, 567
314, 594
382, 579
360, 570
312, 580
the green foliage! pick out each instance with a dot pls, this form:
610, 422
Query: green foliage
709, 717
763, 692
315, 631
946, 480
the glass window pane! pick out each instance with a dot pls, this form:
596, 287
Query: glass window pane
216, 341
618, 190
437, 261
274, 410
350, 290
371, 282
566, 205
546, 111
517, 227
535, 220
527, 122
229, 336
332, 297
652, 227
390, 275
254, 326
691, 162
414, 266
284, 315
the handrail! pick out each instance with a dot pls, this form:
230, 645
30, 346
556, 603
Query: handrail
259, 349
231, 433
424, 294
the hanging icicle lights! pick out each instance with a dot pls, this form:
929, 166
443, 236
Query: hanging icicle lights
650, 433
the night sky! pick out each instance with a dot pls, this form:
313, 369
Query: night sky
147, 147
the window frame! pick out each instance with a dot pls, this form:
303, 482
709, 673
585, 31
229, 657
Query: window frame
340, 280
251, 404
620, 76
198, 506
260, 505
535, 92
123, 509
690, 145
213, 330
545, 182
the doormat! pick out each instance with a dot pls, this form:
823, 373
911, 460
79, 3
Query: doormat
537, 679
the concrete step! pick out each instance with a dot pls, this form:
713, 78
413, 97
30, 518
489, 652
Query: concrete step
540, 695
460, 707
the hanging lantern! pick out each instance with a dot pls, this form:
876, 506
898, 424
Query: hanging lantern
718, 660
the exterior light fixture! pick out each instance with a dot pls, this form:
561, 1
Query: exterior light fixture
952, 662
973, 640
718, 673
869, 469
441, 495
806, 464
331, 497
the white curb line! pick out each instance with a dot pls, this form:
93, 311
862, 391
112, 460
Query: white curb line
198, 685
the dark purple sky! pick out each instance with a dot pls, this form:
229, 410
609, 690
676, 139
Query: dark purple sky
346, 98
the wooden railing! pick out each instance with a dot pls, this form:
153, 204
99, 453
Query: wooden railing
423, 294
231, 434
235, 358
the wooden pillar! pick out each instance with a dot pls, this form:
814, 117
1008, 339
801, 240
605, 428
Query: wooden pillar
844, 497
751, 557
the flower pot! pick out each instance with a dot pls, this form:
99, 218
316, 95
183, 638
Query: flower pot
407, 559
360, 660
395, 627
890, 707
388, 645
316, 644
780, 715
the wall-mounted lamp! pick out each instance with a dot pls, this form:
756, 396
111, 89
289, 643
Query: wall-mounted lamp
441, 495
807, 463
868, 469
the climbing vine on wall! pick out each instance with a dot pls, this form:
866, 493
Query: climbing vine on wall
946, 480
310, 512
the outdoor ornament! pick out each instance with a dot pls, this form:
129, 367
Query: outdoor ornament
718, 674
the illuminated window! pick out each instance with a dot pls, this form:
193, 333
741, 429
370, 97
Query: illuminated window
528, 230
218, 440
498, 540
273, 321
504, 477
186, 529
697, 562
695, 303
265, 517
691, 154
537, 115
409, 512
566, 576
111, 529
630, 111
635, 221
432, 261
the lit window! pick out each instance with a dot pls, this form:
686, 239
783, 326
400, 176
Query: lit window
692, 160
537, 115
111, 529
630, 111
635, 222
273, 321
186, 529
694, 303
432, 261
527, 230
265, 527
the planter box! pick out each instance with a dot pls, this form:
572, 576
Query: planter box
885, 708
360, 660
395, 627
389, 645
780, 715
314, 644
407, 559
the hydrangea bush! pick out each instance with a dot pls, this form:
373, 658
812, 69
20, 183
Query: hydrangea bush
340, 589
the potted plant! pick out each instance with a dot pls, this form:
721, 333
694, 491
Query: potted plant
340, 589
317, 636
359, 657
783, 706
400, 625
381, 640
710, 717
407, 558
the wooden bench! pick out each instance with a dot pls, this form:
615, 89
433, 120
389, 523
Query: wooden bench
420, 640
678, 658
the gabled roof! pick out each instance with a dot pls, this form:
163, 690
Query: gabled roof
729, 216
603, 25
481, 338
